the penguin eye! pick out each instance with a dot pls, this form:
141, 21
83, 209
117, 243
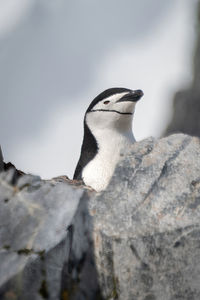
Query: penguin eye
106, 102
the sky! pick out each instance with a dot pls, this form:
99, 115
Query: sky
55, 57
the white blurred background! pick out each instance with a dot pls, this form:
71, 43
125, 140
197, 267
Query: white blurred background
56, 56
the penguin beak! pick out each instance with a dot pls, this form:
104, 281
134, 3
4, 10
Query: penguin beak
133, 96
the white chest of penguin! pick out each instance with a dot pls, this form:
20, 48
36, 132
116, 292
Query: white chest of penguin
98, 172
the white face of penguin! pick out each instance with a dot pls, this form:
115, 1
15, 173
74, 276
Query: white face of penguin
114, 112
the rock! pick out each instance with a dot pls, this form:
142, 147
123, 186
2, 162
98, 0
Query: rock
1, 160
186, 109
139, 239
7, 166
16, 173
143, 232
34, 220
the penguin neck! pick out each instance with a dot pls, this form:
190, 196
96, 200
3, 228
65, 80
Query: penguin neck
89, 146
89, 150
112, 137
103, 160
107, 141
111, 141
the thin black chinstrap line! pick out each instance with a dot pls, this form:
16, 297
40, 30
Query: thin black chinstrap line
121, 113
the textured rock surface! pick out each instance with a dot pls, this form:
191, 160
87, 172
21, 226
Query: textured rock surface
34, 220
138, 240
146, 226
187, 103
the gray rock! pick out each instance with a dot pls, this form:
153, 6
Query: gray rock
143, 232
34, 220
1, 160
139, 239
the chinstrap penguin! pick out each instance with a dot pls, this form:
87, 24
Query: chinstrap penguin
107, 130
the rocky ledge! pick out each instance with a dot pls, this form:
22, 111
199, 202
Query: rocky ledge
138, 240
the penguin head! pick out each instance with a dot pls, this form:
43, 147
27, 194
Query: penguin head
112, 109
